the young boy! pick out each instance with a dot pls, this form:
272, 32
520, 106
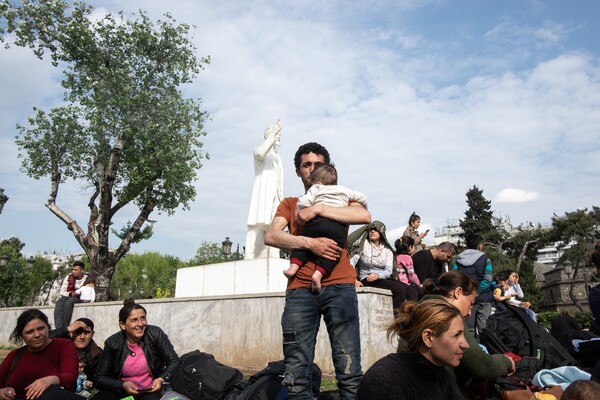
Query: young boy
500, 286
82, 383
325, 191
87, 293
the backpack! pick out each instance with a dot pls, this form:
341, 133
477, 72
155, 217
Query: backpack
511, 330
200, 377
267, 384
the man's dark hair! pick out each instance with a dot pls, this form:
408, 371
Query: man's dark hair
86, 321
447, 247
311, 147
474, 241
79, 264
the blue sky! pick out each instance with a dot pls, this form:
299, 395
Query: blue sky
417, 101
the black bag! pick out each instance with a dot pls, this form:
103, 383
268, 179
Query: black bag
201, 377
512, 330
267, 384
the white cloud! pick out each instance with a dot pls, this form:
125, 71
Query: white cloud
512, 195
412, 122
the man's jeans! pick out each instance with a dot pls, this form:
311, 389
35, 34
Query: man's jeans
63, 311
480, 312
300, 323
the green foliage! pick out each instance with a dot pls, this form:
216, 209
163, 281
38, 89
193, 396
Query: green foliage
21, 282
584, 319
125, 132
162, 293
545, 318
478, 217
580, 226
528, 283
145, 275
143, 234
208, 253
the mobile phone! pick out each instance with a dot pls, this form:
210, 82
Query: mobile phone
145, 389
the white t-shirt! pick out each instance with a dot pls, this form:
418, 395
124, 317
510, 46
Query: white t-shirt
86, 293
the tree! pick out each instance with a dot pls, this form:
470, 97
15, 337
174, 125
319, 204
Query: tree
581, 229
126, 133
208, 253
479, 217
144, 275
20, 281
523, 248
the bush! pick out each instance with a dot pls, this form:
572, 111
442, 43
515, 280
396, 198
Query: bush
583, 318
545, 318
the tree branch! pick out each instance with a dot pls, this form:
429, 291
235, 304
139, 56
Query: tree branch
523, 252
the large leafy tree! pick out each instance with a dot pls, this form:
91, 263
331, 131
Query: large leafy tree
145, 275
21, 281
478, 219
209, 253
125, 132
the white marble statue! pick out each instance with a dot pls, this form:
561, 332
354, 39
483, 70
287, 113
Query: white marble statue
267, 193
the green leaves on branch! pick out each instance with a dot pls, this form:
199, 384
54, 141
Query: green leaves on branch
125, 130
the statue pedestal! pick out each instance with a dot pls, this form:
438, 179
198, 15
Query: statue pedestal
260, 275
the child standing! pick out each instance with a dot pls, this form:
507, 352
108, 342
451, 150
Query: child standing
406, 272
325, 191
87, 293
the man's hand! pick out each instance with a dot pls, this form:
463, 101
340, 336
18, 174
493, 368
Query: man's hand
74, 326
325, 247
372, 277
358, 283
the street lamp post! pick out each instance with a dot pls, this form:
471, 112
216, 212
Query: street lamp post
226, 249
3, 199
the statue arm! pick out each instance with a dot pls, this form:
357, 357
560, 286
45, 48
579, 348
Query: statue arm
273, 135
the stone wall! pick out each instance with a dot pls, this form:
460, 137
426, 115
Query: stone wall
243, 331
555, 290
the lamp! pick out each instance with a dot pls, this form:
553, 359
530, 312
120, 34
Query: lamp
568, 268
226, 246
3, 200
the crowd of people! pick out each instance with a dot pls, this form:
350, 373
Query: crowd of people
439, 312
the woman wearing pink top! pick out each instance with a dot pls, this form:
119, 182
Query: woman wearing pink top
406, 273
137, 360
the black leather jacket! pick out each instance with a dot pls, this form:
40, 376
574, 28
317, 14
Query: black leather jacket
160, 355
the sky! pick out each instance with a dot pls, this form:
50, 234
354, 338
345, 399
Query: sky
416, 100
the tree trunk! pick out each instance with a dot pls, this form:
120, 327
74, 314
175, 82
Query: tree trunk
523, 252
572, 288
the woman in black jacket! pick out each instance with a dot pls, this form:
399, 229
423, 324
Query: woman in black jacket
434, 333
137, 360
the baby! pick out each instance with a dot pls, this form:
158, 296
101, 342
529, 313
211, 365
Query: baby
325, 191
87, 293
